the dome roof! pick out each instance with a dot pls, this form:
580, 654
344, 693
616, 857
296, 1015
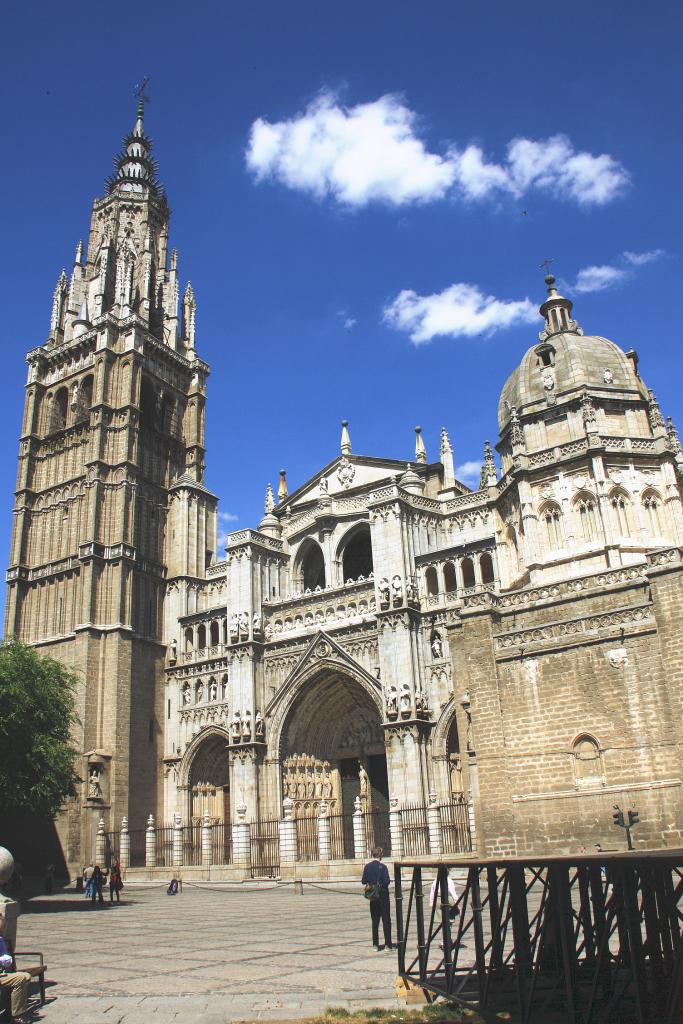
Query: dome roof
565, 361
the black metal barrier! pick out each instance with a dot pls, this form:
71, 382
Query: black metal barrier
581, 940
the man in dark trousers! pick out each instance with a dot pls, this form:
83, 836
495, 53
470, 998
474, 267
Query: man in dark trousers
376, 881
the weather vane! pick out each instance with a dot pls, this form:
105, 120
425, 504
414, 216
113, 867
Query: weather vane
140, 92
546, 263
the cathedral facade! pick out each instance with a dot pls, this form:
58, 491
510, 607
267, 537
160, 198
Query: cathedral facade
385, 636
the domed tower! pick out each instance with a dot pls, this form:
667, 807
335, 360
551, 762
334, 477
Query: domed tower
591, 467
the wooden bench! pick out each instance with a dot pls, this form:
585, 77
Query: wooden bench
34, 970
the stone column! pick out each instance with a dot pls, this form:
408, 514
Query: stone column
434, 824
124, 844
288, 833
241, 838
177, 840
150, 844
396, 829
207, 840
359, 839
100, 843
324, 834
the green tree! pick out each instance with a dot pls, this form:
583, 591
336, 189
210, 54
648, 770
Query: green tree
37, 757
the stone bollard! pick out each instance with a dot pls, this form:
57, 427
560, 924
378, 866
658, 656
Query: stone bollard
288, 843
396, 829
150, 844
100, 843
324, 833
241, 838
434, 824
124, 844
207, 840
360, 843
177, 840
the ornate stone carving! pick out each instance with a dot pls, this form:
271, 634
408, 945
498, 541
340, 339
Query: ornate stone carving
346, 472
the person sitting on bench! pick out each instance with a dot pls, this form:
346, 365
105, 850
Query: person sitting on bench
16, 981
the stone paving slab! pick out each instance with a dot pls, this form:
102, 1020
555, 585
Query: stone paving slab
210, 955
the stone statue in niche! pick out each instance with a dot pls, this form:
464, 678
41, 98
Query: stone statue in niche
187, 694
213, 690
384, 593
234, 626
391, 696
300, 785
236, 727
421, 705
246, 726
405, 701
257, 622
259, 727
200, 693
327, 781
173, 650
364, 784
396, 590
437, 646
318, 783
94, 786
244, 624
411, 591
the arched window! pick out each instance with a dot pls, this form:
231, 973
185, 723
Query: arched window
621, 513
84, 399
467, 570
588, 768
60, 406
201, 637
652, 504
357, 555
486, 568
449, 579
552, 518
312, 566
431, 581
167, 418
588, 521
189, 640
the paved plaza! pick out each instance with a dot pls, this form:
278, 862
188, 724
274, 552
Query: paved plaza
207, 956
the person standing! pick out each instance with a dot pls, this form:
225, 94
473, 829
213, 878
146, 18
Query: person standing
376, 881
97, 884
49, 879
115, 881
87, 878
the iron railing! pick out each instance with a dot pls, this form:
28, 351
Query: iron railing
307, 839
415, 831
455, 826
579, 940
341, 837
221, 844
265, 848
377, 831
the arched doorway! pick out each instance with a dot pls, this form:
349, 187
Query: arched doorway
332, 747
209, 782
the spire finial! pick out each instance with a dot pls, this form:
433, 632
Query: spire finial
345, 438
269, 504
420, 450
489, 475
556, 310
447, 459
282, 491
142, 97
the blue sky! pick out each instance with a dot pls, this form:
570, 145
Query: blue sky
362, 194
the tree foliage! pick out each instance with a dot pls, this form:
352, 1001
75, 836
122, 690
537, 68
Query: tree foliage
37, 757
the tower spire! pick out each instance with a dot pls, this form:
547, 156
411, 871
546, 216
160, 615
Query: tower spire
556, 310
447, 459
489, 476
420, 450
345, 438
135, 169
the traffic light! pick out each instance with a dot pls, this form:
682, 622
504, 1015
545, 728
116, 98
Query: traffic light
618, 817
633, 818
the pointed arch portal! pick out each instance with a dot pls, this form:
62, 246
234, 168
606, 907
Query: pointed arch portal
209, 780
332, 745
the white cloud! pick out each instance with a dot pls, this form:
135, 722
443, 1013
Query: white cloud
355, 154
469, 473
228, 517
225, 517
607, 275
349, 323
461, 310
639, 259
372, 152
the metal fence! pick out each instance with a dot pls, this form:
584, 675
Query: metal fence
377, 831
265, 848
455, 827
221, 844
415, 831
307, 839
137, 838
341, 837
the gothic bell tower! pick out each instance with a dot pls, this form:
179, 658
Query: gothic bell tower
113, 424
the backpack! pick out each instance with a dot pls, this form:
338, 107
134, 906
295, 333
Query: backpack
372, 892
